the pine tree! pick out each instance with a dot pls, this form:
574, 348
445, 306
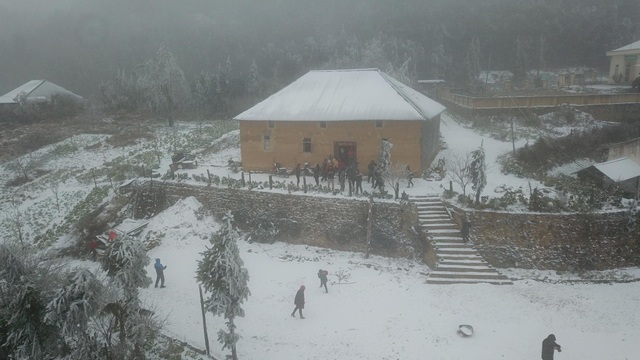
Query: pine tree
472, 64
26, 282
163, 83
224, 278
384, 160
477, 171
253, 82
71, 311
125, 262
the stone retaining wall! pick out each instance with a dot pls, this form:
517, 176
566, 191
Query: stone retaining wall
327, 222
570, 242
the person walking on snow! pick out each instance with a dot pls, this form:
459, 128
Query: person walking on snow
322, 274
548, 346
159, 273
299, 302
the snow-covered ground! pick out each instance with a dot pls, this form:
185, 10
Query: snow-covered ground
383, 311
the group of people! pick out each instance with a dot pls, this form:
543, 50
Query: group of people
346, 172
298, 301
549, 345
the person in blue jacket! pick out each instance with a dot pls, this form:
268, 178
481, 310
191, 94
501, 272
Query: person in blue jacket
159, 273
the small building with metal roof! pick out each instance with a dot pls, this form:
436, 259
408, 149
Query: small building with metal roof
36, 91
624, 66
623, 173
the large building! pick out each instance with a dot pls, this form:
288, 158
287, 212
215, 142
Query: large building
341, 113
625, 64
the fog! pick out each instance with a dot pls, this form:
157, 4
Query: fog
80, 43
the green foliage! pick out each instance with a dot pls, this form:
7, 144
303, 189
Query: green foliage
95, 197
546, 153
223, 276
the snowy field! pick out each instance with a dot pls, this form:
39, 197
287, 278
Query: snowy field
384, 310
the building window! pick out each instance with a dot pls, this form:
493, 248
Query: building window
266, 141
271, 124
323, 124
378, 123
306, 145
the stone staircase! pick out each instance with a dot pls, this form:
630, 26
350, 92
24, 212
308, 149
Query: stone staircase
457, 262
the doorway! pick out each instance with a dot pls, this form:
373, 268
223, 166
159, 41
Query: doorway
345, 151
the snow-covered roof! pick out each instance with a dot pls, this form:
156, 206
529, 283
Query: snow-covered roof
619, 169
37, 90
339, 95
632, 46
437, 81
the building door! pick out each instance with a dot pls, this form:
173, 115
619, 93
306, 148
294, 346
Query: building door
345, 151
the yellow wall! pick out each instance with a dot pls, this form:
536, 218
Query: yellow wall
620, 61
287, 142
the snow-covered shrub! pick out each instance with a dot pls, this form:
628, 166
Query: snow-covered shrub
224, 278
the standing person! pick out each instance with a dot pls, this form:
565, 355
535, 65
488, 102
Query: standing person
409, 177
358, 182
323, 169
466, 227
371, 167
322, 274
299, 302
297, 172
331, 174
159, 273
316, 174
341, 178
93, 247
548, 346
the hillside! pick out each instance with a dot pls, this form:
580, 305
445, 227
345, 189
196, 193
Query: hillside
375, 308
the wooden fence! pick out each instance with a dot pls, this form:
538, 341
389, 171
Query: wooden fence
514, 102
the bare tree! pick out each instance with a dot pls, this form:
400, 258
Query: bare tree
55, 189
16, 220
393, 174
458, 170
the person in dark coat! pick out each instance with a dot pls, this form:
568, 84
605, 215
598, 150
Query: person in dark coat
409, 177
464, 231
159, 273
296, 171
93, 247
316, 174
331, 174
322, 274
371, 168
299, 302
548, 346
358, 177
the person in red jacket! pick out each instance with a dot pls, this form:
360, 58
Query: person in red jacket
299, 302
93, 247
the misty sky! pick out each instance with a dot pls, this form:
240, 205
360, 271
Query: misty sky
80, 43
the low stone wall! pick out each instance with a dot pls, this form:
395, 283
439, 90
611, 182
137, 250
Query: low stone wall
568, 242
327, 222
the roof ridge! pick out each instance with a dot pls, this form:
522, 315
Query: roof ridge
403, 95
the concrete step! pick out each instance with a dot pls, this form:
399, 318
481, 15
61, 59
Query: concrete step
458, 262
466, 275
465, 269
456, 245
445, 281
440, 226
445, 251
